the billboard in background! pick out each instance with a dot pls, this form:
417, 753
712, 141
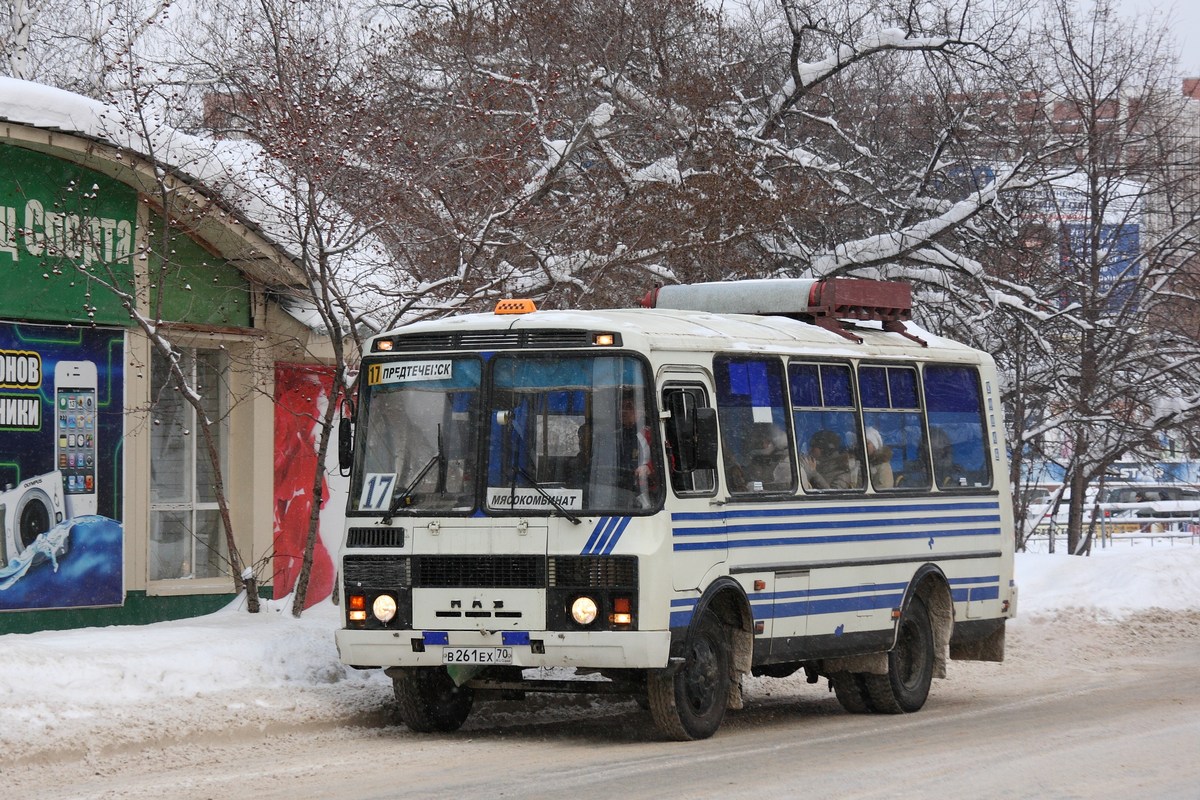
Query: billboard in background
61, 477
1188, 472
63, 227
302, 393
1117, 254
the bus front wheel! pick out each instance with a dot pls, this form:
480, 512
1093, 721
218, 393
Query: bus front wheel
689, 702
429, 700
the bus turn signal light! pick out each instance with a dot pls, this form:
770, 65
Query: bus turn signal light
356, 605
622, 613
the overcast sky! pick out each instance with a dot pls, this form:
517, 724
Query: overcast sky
1186, 30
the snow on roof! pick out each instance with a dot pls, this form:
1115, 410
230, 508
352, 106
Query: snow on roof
238, 173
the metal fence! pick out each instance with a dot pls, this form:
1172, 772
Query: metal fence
1124, 533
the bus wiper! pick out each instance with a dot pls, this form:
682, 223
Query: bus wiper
554, 501
519, 470
405, 497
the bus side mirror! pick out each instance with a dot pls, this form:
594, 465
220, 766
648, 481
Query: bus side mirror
345, 445
705, 438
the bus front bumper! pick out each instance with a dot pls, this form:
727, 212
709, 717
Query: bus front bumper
588, 649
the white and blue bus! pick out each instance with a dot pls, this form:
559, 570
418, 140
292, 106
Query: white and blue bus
742, 478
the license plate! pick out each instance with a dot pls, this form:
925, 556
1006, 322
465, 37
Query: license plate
477, 655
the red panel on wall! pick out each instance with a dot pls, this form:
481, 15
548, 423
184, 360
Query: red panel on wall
301, 394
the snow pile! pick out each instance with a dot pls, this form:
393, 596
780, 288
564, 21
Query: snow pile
1115, 583
67, 693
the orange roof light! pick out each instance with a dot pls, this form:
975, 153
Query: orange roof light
515, 307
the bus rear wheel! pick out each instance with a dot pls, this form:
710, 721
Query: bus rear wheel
689, 703
429, 700
850, 689
905, 687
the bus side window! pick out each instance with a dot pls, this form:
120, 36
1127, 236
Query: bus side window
893, 427
751, 401
826, 423
956, 432
690, 440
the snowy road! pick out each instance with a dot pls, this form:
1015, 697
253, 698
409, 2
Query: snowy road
1081, 709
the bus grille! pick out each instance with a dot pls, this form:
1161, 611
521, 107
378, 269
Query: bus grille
376, 572
492, 340
589, 571
480, 572
375, 537
489, 572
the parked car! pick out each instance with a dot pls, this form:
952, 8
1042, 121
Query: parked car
1150, 507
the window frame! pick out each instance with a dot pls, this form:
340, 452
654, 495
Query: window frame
191, 504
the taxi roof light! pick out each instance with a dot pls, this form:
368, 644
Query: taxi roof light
516, 307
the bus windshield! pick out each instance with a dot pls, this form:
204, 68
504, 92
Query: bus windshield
528, 434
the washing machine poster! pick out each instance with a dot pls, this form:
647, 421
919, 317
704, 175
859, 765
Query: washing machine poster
61, 427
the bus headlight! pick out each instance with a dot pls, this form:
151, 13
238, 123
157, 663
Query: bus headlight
583, 610
384, 608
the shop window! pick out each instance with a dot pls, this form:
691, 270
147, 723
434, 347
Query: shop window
186, 537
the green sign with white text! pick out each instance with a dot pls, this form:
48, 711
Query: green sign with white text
65, 232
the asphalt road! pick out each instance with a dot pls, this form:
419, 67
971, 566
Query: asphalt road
1078, 711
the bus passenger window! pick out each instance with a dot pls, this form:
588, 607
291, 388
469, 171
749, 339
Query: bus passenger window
826, 423
894, 428
753, 418
957, 440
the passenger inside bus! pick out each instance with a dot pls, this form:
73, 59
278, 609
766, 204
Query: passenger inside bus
580, 465
827, 464
879, 460
633, 464
947, 470
768, 467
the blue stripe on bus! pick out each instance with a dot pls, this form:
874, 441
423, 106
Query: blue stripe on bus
981, 579
976, 593
840, 600
605, 536
781, 541
836, 524
601, 524
814, 510
606, 546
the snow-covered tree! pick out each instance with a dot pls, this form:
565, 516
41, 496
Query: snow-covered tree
1090, 281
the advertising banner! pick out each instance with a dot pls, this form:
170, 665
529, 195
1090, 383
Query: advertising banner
302, 393
61, 431
64, 231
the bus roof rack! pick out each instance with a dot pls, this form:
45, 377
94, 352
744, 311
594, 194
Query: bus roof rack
825, 303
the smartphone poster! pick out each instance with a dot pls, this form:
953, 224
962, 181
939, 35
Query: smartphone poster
61, 476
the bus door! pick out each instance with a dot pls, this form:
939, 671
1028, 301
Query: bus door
698, 537
789, 611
